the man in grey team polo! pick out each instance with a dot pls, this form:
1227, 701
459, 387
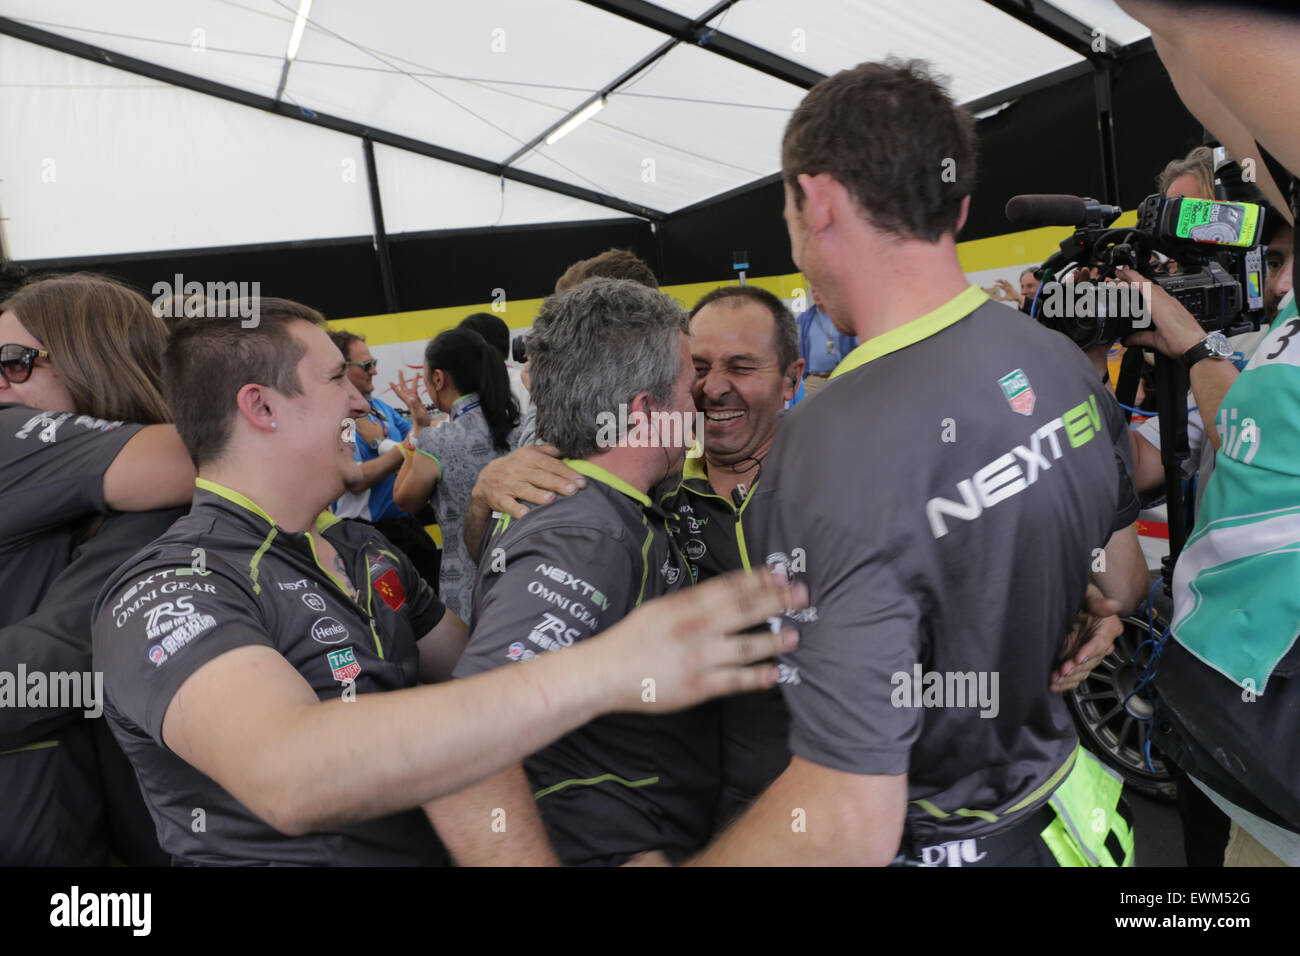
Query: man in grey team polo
952, 561
608, 350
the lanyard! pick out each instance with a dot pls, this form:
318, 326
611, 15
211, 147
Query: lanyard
830, 340
469, 407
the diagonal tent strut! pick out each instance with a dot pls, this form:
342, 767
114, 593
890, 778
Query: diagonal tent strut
87, 51
696, 33
1058, 25
652, 57
645, 63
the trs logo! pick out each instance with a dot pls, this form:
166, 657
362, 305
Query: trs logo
182, 607
550, 634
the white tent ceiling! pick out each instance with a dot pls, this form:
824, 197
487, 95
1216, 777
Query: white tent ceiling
97, 160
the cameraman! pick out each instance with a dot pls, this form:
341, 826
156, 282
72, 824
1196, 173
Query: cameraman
1148, 467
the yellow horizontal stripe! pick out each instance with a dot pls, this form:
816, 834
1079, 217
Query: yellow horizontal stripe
977, 255
39, 745
424, 324
1014, 248
592, 781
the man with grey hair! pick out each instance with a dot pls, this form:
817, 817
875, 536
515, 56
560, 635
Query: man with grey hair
745, 351
608, 350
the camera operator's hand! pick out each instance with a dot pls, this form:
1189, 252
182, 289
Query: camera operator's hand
1174, 330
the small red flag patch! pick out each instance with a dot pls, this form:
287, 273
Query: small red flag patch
389, 586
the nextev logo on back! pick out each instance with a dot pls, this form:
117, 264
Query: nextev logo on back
133, 910
1005, 475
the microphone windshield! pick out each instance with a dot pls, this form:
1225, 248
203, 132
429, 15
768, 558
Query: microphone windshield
1046, 209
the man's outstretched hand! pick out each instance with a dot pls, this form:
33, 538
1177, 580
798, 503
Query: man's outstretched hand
677, 651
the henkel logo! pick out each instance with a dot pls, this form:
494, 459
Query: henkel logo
326, 630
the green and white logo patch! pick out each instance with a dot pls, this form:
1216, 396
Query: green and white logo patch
1019, 394
344, 665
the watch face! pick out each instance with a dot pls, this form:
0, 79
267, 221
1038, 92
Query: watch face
1218, 344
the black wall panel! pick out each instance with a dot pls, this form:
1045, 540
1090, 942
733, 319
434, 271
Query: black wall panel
463, 267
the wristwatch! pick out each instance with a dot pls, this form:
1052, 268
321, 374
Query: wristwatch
1214, 345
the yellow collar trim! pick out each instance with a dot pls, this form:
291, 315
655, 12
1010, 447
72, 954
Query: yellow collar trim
956, 308
324, 520
584, 467
694, 468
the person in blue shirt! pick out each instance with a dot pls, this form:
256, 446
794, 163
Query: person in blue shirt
378, 452
821, 345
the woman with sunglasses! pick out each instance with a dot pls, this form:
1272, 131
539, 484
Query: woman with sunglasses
86, 459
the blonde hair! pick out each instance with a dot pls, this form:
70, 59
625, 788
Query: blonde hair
1199, 163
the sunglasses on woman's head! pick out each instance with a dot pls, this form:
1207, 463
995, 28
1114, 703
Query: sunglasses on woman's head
16, 362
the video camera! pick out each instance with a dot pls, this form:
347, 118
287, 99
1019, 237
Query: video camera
1216, 244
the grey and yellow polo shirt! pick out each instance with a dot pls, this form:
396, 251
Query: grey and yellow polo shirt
52, 467
564, 573
226, 576
975, 463
707, 525
754, 727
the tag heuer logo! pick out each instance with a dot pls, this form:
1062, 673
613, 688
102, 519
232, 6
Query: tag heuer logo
344, 665
1020, 396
